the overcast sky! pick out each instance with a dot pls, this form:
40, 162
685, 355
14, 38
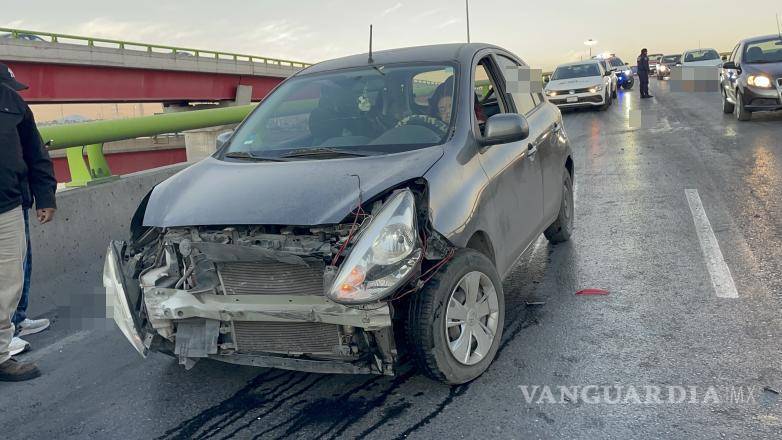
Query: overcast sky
542, 32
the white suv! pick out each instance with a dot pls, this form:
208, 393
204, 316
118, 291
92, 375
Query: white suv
580, 84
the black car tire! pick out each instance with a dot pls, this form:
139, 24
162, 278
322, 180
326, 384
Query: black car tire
727, 106
562, 228
426, 320
627, 86
606, 102
742, 114
613, 94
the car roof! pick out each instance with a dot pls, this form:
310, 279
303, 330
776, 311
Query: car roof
761, 38
437, 53
700, 50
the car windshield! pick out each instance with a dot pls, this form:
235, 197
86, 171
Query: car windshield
576, 71
701, 55
374, 109
671, 58
766, 51
616, 62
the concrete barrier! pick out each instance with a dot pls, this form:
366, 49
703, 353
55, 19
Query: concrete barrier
68, 252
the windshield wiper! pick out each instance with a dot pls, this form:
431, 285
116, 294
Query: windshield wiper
324, 151
246, 155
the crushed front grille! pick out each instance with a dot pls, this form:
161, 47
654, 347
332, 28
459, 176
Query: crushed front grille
272, 279
286, 337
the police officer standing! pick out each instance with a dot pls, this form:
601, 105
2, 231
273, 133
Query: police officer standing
643, 73
26, 173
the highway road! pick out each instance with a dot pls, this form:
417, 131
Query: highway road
678, 218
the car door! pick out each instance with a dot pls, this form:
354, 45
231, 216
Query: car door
731, 76
515, 174
545, 138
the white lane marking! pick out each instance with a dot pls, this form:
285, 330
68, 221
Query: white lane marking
38, 354
721, 279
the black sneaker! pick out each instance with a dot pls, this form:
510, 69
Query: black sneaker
15, 371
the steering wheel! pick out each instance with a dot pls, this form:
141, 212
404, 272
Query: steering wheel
430, 122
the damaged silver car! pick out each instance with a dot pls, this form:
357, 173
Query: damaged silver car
364, 213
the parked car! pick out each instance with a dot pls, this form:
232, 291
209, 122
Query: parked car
23, 36
751, 78
654, 61
580, 84
666, 64
614, 78
366, 210
701, 58
624, 74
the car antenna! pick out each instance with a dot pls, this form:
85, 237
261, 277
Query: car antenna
779, 30
370, 61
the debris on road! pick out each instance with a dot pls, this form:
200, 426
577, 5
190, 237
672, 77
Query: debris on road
592, 292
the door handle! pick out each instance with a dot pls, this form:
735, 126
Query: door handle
532, 148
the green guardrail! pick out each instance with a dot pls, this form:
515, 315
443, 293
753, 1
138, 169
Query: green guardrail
88, 137
146, 47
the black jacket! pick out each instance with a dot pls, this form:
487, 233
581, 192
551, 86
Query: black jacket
643, 63
26, 171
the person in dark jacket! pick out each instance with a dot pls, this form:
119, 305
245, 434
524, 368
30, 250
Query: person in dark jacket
643, 73
26, 173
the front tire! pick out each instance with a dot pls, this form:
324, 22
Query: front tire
742, 114
562, 228
454, 323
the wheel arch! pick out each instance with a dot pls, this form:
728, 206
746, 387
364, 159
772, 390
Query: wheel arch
480, 242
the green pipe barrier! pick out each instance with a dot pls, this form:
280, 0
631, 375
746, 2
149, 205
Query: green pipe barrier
88, 137
98, 132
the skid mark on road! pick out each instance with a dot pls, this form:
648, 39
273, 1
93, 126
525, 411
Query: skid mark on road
721, 279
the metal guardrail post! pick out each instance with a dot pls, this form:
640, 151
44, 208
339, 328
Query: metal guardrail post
95, 170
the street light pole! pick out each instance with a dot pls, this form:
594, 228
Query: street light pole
590, 42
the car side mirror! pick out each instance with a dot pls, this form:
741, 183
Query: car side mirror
724, 58
504, 128
729, 65
222, 138
608, 73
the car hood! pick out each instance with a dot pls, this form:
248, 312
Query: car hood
774, 70
296, 193
574, 83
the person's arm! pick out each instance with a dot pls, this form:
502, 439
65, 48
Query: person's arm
40, 172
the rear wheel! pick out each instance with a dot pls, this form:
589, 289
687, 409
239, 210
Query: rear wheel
562, 228
455, 322
742, 114
727, 107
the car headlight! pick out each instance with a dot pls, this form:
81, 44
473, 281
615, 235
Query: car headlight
663, 67
551, 93
117, 305
384, 256
596, 88
628, 72
761, 81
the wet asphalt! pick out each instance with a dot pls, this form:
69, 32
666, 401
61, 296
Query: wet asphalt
661, 324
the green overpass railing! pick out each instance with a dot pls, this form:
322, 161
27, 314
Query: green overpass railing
89, 137
150, 48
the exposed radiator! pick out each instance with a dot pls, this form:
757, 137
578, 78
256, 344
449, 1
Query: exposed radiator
285, 337
271, 279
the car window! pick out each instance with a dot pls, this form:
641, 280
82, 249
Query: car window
576, 71
379, 108
616, 62
486, 103
764, 51
733, 54
510, 70
701, 55
671, 58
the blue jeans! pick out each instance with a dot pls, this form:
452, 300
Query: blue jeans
21, 310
